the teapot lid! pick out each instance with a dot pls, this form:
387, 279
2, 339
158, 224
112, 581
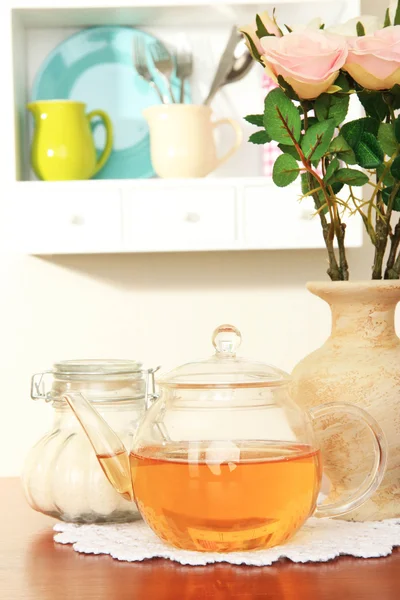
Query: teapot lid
224, 368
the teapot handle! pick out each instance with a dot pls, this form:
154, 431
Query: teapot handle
374, 478
105, 155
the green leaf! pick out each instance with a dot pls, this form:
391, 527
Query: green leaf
289, 150
317, 138
340, 147
388, 179
285, 171
260, 137
387, 139
289, 91
281, 118
392, 96
330, 106
360, 29
387, 22
322, 106
353, 130
336, 186
368, 151
330, 171
374, 104
339, 144
397, 128
289, 30
311, 121
395, 168
305, 183
255, 120
397, 15
342, 81
371, 126
261, 31
305, 188
395, 90
253, 48
351, 177
386, 194
333, 89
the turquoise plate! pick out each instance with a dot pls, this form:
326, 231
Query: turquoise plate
95, 66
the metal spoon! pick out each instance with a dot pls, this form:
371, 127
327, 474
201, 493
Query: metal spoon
241, 64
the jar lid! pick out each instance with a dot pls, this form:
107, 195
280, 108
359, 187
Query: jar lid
224, 368
96, 368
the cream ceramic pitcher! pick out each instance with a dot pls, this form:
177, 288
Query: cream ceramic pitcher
182, 140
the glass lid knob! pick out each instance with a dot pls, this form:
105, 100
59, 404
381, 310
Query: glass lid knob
226, 340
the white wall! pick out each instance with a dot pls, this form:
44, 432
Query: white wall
161, 309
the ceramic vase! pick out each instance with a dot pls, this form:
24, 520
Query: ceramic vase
359, 363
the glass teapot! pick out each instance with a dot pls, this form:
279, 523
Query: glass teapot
224, 460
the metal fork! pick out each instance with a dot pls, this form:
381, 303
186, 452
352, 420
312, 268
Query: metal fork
184, 68
164, 64
141, 66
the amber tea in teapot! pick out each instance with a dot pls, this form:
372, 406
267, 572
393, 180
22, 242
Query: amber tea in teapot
224, 459
256, 499
258, 496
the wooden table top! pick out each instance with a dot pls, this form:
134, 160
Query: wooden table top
33, 567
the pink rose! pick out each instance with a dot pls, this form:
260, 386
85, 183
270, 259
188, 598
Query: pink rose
374, 60
250, 31
309, 61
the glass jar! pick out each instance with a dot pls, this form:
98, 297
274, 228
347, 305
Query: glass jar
61, 476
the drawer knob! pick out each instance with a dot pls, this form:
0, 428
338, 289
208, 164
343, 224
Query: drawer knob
192, 217
77, 220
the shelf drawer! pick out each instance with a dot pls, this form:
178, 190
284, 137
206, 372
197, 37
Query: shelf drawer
184, 218
275, 218
71, 220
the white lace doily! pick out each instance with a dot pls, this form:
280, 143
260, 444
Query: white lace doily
319, 540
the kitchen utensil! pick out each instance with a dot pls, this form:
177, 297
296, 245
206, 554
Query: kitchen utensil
184, 67
225, 64
241, 64
141, 66
225, 460
164, 64
182, 141
61, 476
63, 146
95, 66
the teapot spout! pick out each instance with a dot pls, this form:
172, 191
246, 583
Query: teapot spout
110, 451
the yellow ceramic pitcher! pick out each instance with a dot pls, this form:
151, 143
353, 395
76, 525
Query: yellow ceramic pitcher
63, 146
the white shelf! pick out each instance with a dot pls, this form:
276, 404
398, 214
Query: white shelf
164, 216
222, 212
147, 13
109, 4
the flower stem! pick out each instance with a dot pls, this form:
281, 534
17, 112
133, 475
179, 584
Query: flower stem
392, 270
334, 272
